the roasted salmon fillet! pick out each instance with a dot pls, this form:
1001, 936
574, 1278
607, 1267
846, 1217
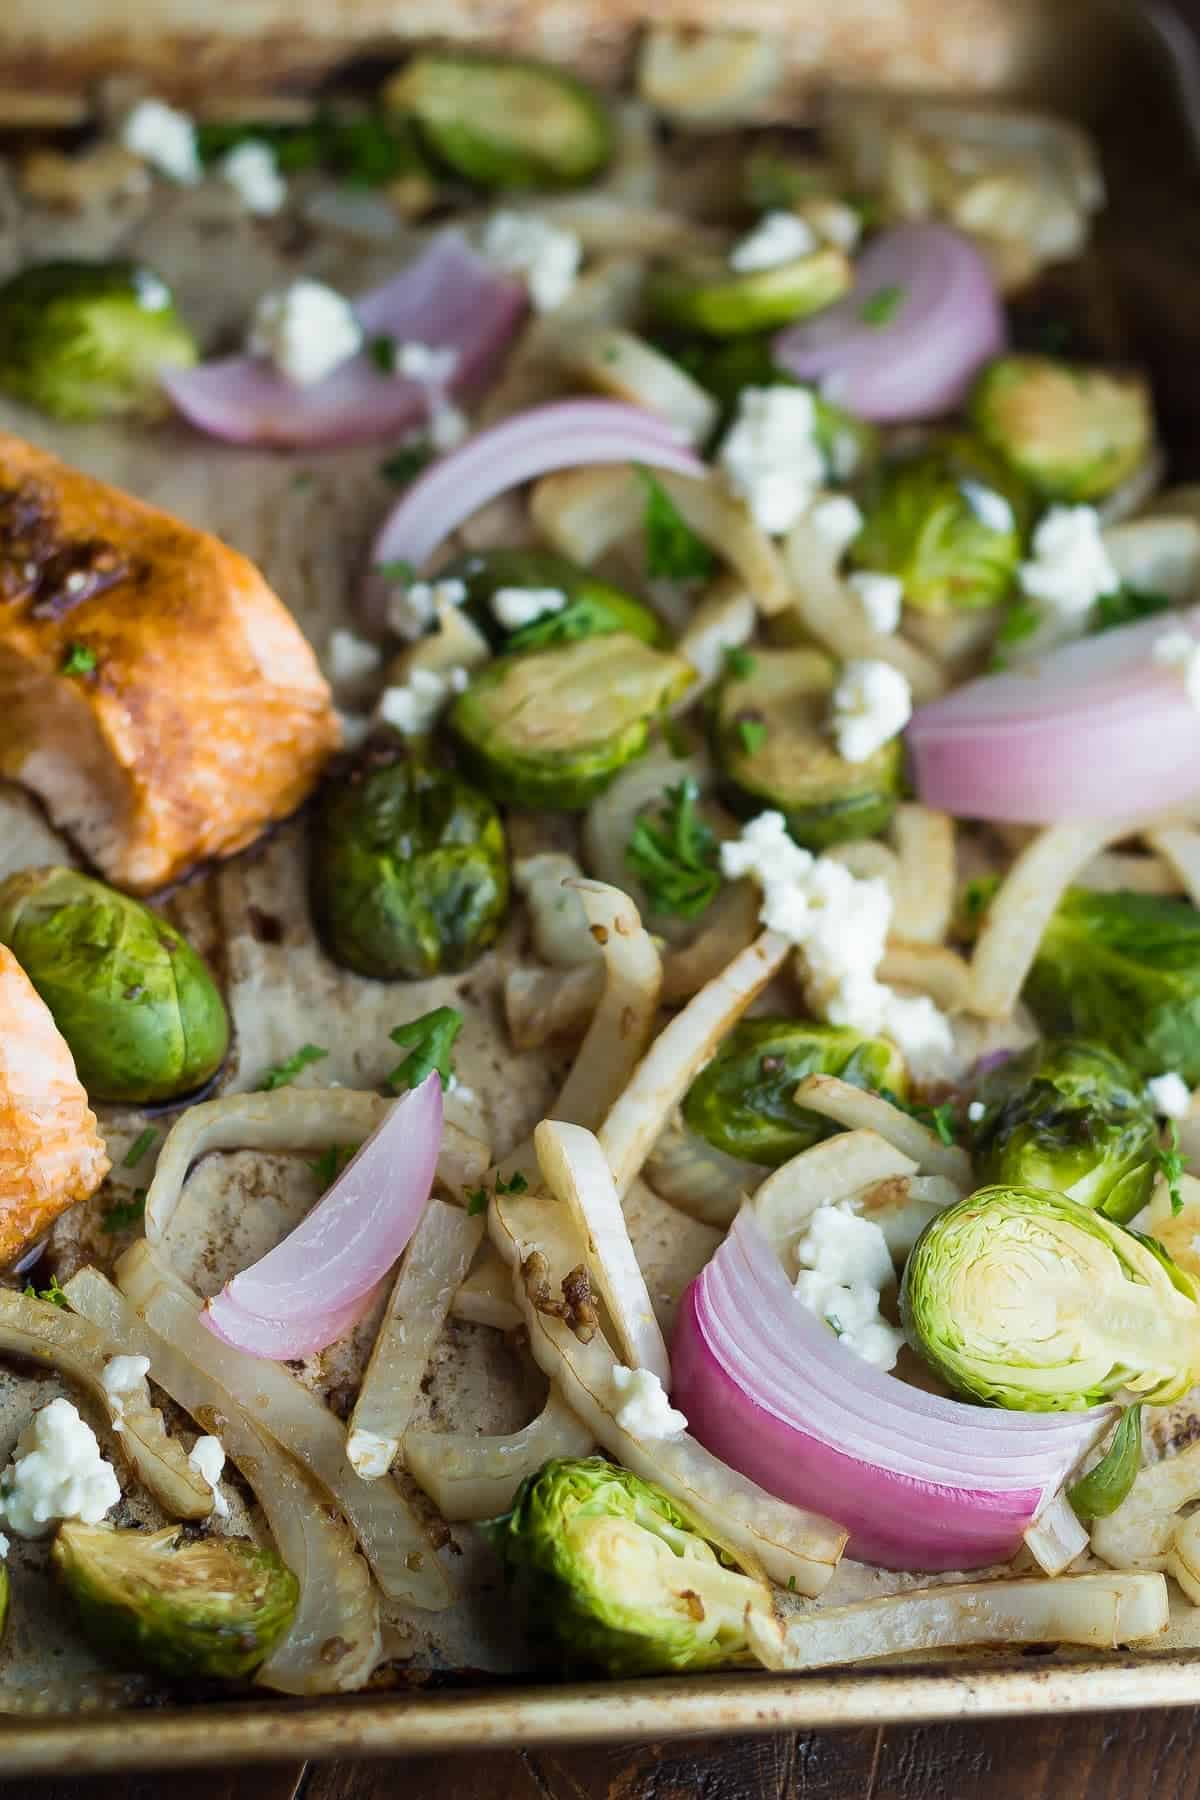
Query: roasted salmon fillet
51, 1154
154, 693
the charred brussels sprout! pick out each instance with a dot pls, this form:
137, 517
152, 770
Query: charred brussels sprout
141, 1013
770, 735
619, 1577
1071, 432
593, 607
1071, 1117
409, 871
1122, 970
82, 340
551, 729
742, 1102
214, 1607
950, 521
705, 294
504, 123
1025, 1299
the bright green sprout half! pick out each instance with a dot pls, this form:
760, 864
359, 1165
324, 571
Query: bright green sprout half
1073, 432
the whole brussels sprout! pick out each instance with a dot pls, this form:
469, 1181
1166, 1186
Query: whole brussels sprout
409, 871
705, 294
551, 729
619, 1577
950, 521
1072, 432
1122, 970
143, 1017
1025, 1299
82, 340
504, 122
741, 1102
593, 607
770, 737
213, 1607
1069, 1116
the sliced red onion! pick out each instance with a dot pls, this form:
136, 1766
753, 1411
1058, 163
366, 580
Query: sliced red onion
449, 298
1094, 730
312, 1287
567, 434
937, 317
918, 1481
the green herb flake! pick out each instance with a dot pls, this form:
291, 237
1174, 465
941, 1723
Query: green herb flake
941, 1120
791, 1584
740, 663
1171, 1164
674, 855
139, 1147
287, 1071
880, 307
403, 466
399, 573
79, 660
673, 550
477, 1201
329, 1165
53, 1295
753, 734
516, 1184
127, 1215
1124, 607
430, 1042
382, 351
676, 738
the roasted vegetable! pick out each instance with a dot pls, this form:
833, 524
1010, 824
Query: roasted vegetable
705, 294
140, 1012
409, 871
950, 521
1069, 1116
82, 340
593, 607
619, 1577
553, 727
213, 1607
504, 122
1071, 432
769, 728
1025, 1299
742, 1102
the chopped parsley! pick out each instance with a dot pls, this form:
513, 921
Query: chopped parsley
753, 734
430, 1043
329, 1165
477, 1201
139, 1147
1124, 607
79, 660
366, 152
1171, 1164
287, 1071
880, 307
403, 466
675, 858
676, 738
942, 1120
791, 1584
128, 1214
516, 1184
399, 573
672, 548
53, 1295
382, 351
740, 663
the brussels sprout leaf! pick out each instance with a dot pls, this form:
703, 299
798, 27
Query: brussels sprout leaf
672, 548
1124, 607
53, 1295
676, 859
1102, 1489
139, 1147
430, 1043
1171, 1165
287, 1071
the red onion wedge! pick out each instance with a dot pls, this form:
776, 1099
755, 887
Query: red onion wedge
908, 339
312, 1287
449, 298
1094, 730
566, 434
918, 1481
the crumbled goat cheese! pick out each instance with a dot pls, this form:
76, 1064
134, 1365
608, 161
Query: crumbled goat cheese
355, 730
881, 597
370, 1455
835, 222
413, 709
1169, 1095
1179, 650
164, 138
351, 658
5, 1546
307, 330
844, 1266
122, 1376
975, 1111
252, 171
871, 703
413, 609
56, 1472
771, 457
426, 364
515, 607
208, 1460
546, 256
778, 238
837, 521
644, 1410
1070, 568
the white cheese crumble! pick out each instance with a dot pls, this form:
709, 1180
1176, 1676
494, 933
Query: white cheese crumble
871, 703
836, 222
546, 256
208, 1460
122, 1376
165, 138
1169, 1095
1070, 568
881, 597
355, 730
643, 1409
771, 457
837, 521
975, 1111
252, 171
351, 658
5, 1546
370, 1455
844, 1266
307, 330
426, 363
515, 606
778, 238
413, 609
412, 709
1179, 650
56, 1472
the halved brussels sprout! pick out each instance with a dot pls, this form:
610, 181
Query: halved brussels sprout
593, 607
950, 521
1069, 1116
409, 870
742, 1102
551, 728
216, 1606
1022, 1298
771, 739
705, 294
1071, 432
82, 340
504, 122
849, 445
618, 1576
143, 1017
